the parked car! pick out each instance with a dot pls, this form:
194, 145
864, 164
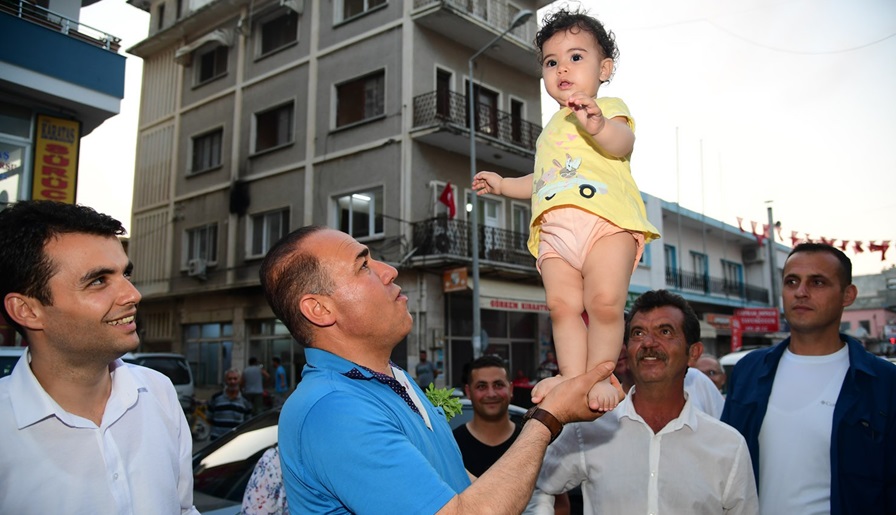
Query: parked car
222, 469
175, 366
729, 360
8, 358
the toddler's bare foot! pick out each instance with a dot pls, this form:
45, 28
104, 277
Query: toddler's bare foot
541, 388
602, 397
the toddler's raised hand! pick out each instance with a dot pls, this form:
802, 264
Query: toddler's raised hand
587, 111
487, 182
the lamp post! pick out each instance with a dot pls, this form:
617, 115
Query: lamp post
520, 18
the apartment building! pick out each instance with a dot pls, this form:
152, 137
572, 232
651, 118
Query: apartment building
59, 80
259, 117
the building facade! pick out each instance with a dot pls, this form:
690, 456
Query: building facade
59, 80
259, 117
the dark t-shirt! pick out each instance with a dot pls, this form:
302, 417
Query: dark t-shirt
478, 457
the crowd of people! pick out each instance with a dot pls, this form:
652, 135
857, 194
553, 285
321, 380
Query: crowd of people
631, 413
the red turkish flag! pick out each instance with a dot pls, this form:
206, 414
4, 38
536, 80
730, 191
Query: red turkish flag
447, 198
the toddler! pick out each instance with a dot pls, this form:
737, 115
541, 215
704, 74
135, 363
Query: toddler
589, 225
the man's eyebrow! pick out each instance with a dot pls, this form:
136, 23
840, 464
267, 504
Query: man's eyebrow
95, 273
363, 254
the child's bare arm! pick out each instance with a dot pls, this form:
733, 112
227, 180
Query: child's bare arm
513, 187
613, 135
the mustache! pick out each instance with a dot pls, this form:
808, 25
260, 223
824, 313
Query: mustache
651, 353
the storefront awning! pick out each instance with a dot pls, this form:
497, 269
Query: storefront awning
508, 296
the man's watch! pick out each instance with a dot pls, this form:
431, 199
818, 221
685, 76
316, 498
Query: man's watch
546, 418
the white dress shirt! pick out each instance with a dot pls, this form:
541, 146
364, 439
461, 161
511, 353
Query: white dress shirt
138, 461
694, 465
703, 393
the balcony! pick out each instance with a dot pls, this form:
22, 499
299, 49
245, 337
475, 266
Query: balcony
441, 243
60, 62
474, 23
678, 280
440, 119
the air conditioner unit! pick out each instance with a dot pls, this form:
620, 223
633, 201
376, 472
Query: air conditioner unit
196, 268
753, 255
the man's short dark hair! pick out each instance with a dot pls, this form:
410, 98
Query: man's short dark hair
488, 360
650, 300
288, 272
845, 263
25, 229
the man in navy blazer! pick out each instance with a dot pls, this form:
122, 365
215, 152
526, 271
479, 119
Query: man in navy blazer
817, 410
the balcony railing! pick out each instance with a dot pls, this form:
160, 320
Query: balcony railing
57, 22
451, 239
690, 281
450, 109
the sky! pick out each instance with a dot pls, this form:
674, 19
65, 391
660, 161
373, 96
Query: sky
739, 106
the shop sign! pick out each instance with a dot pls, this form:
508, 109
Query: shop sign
56, 159
758, 320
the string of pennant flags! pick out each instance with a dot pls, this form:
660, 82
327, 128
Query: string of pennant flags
856, 246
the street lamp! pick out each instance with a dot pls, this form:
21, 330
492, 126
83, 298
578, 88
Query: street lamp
520, 18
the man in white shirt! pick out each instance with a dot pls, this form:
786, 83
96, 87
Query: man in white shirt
654, 453
81, 431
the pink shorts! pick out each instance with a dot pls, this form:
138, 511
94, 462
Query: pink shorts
569, 233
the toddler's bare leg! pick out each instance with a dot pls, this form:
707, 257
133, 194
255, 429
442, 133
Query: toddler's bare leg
607, 273
563, 291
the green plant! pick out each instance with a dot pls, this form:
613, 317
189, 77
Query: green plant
442, 398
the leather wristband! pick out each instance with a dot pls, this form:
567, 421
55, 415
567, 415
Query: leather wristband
546, 418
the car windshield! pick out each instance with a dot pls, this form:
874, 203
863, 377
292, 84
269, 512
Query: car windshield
175, 369
223, 468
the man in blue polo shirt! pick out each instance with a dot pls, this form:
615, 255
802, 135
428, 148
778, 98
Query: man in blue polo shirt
358, 435
817, 410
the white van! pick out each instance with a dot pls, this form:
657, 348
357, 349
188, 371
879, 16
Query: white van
175, 366
729, 360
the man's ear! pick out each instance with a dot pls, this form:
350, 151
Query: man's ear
467, 390
316, 310
849, 296
694, 353
24, 310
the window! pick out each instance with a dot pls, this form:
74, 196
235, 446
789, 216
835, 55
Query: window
160, 17
265, 229
211, 64
486, 109
733, 274
521, 218
671, 256
352, 8
279, 32
206, 151
443, 93
273, 128
361, 214
701, 271
209, 350
202, 243
361, 99
516, 120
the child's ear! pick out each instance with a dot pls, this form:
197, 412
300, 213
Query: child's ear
606, 69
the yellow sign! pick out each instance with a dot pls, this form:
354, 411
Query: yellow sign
56, 159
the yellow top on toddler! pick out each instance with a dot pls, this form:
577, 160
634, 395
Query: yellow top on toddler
571, 170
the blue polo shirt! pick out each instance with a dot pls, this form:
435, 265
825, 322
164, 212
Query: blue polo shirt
350, 444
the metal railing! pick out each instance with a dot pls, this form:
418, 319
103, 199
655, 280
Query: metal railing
450, 108
442, 236
57, 22
690, 281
